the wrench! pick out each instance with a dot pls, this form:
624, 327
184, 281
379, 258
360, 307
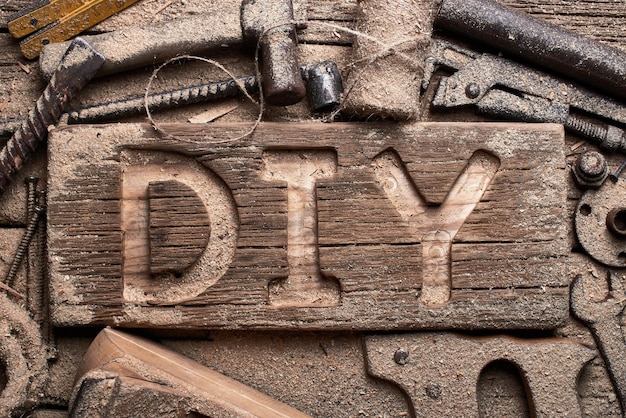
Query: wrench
603, 319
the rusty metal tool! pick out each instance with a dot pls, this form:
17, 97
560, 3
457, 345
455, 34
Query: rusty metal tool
148, 45
507, 89
270, 25
77, 67
58, 20
539, 42
601, 223
604, 320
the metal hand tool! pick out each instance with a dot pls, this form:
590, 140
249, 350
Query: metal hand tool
513, 91
144, 46
59, 20
78, 66
604, 320
270, 24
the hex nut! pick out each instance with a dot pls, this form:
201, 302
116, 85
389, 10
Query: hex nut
590, 170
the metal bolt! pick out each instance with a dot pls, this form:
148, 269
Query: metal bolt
590, 169
616, 222
615, 176
472, 90
401, 356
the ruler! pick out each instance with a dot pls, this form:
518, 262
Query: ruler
58, 20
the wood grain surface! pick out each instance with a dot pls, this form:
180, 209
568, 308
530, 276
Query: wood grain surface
505, 249
320, 373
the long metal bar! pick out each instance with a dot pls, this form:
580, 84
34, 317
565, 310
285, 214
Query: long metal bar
542, 43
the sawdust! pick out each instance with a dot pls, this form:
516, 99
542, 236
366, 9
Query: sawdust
323, 371
381, 82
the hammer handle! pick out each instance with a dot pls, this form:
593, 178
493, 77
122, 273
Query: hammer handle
143, 46
282, 82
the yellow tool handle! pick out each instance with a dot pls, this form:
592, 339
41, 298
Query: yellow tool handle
40, 15
84, 17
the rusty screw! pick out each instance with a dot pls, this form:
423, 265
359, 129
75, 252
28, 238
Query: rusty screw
590, 170
27, 238
78, 66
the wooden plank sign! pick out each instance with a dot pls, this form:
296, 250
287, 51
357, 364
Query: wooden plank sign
317, 226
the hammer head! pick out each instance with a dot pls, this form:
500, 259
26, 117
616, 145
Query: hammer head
269, 24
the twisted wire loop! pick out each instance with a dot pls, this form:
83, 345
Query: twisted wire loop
196, 94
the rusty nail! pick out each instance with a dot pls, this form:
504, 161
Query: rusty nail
615, 176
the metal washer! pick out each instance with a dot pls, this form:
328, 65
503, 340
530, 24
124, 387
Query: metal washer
591, 227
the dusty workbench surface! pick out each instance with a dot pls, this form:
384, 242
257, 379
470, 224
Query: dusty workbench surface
333, 369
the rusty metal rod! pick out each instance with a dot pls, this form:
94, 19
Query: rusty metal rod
164, 100
536, 41
78, 66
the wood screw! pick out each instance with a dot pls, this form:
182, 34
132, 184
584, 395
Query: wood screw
79, 65
27, 238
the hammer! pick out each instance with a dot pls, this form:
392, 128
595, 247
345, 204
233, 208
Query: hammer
269, 24
270, 21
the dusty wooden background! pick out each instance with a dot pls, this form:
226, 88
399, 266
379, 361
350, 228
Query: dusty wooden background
322, 374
